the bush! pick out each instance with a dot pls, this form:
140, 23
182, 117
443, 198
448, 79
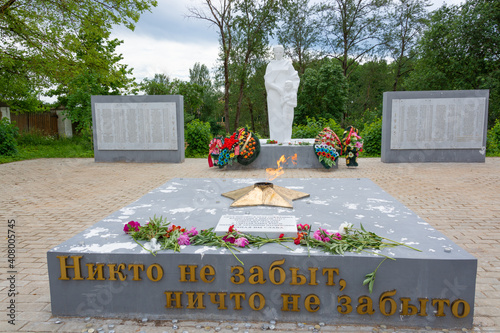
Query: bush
313, 127
198, 137
8, 138
493, 140
372, 136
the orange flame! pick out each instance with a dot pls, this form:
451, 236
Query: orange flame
275, 173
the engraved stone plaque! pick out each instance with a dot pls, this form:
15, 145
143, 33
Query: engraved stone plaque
438, 123
136, 126
271, 226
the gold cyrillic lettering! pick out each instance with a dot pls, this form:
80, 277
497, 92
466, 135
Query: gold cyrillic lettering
365, 306
170, 300
193, 301
113, 272
239, 274
294, 303
191, 272
98, 271
312, 273
262, 301
455, 308
257, 276
346, 304
386, 298
312, 303
423, 307
237, 299
221, 301
64, 267
136, 268
209, 271
406, 308
302, 279
330, 274
440, 306
276, 268
159, 272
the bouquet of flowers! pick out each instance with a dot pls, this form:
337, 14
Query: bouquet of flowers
242, 146
327, 147
352, 145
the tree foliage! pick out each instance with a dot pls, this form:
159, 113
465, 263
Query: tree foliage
352, 30
461, 50
44, 43
404, 23
299, 32
323, 93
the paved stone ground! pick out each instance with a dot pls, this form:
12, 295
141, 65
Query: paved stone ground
53, 199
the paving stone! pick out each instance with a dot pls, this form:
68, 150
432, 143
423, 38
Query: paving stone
53, 199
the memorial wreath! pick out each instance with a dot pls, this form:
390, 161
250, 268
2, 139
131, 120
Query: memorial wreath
242, 146
327, 147
161, 235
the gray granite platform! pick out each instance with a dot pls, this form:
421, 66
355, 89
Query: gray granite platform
434, 287
270, 153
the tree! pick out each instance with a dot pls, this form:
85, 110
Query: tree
200, 75
367, 85
351, 30
406, 21
158, 85
323, 94
254, 22
299, 32
461, 50
220, 15
40, 38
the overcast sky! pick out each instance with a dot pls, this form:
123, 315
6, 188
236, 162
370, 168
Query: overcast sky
167, 41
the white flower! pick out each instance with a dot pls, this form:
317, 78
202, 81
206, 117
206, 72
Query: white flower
343, 227
152, 245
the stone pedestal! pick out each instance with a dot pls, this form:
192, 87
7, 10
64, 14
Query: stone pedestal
271, 153
103, 272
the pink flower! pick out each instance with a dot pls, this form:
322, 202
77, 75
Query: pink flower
241, 242
359, 144
131, 226
338, 236
183, 239
229, 239
192, 232
321, 235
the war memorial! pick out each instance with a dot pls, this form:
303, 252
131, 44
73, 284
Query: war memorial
414, 277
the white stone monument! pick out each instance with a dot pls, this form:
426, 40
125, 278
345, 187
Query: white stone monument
282, 82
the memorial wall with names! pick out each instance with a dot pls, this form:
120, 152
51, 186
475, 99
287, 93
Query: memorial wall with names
136, 126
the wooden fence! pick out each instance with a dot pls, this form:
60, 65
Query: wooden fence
44, 122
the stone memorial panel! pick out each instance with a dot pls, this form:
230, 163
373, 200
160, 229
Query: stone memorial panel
434, 126
444, 123
138, 128
271, 226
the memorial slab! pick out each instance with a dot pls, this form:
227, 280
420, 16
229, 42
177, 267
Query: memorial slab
267, 226
138, 128
102, 272
435, 126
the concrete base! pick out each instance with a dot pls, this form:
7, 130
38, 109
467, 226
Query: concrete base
102, 272
271, 153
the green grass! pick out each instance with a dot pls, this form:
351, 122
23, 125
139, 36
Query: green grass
32, 145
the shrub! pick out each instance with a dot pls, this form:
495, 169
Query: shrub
313, 127
8, 138
198, 137
372, 136
493, 139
